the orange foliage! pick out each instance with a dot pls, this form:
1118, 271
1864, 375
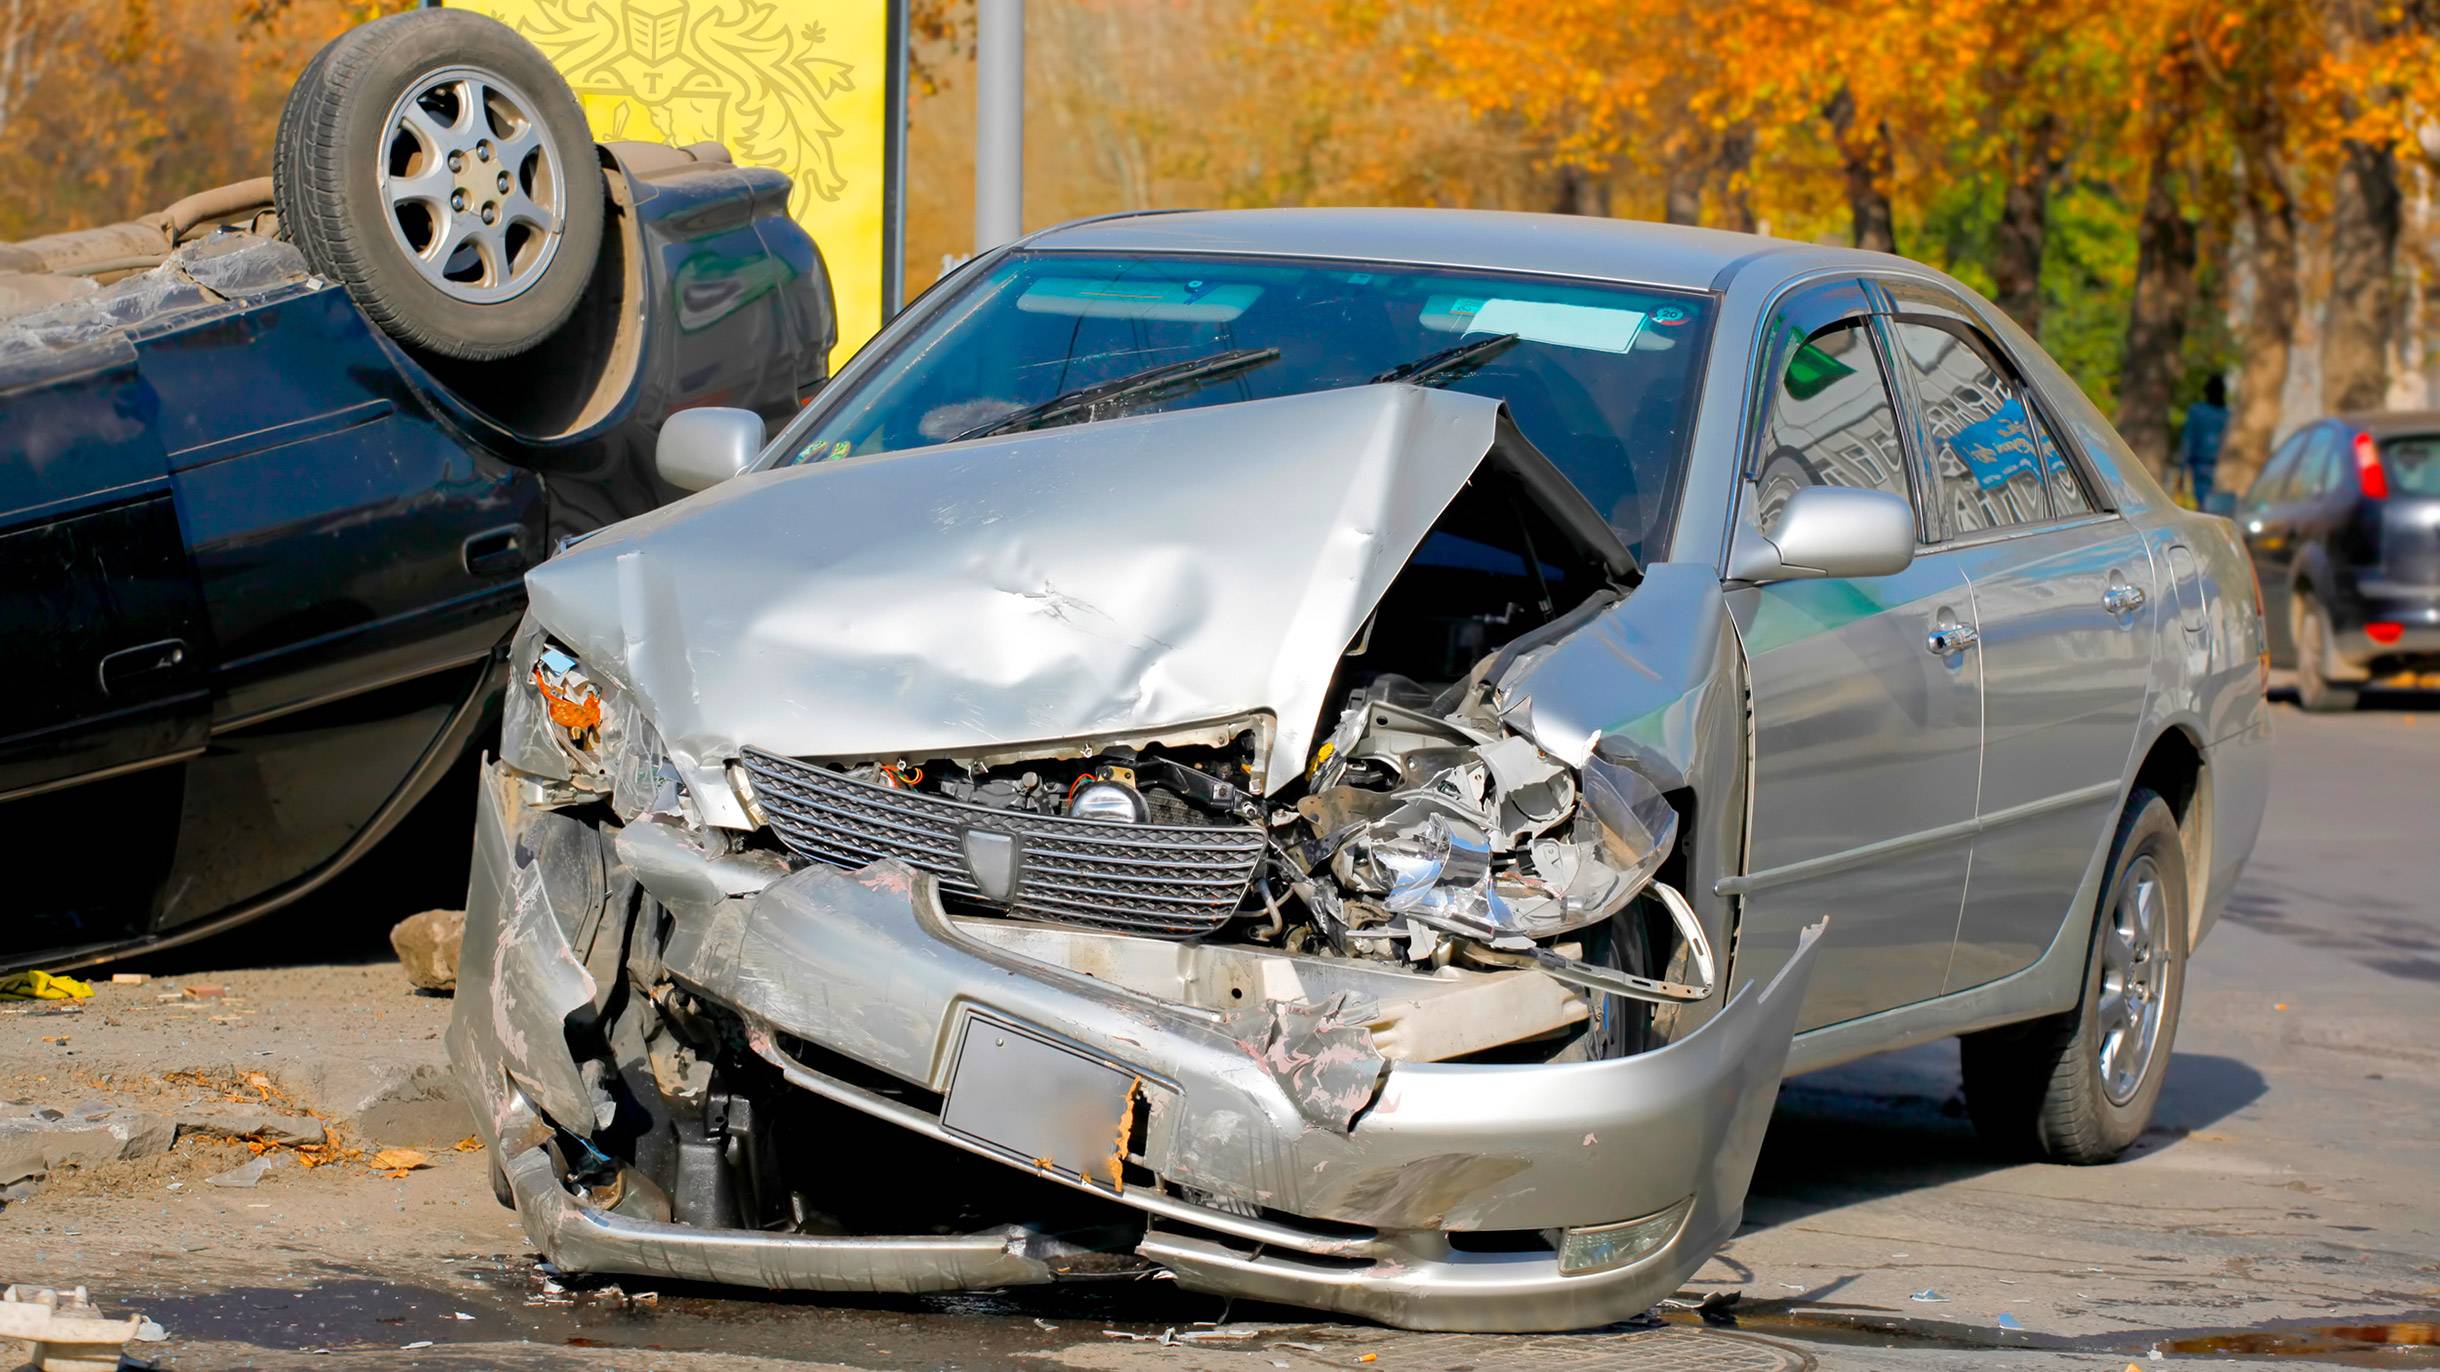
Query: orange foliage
111, 108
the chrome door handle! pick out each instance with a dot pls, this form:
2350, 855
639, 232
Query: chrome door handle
2122, 599
1948, 640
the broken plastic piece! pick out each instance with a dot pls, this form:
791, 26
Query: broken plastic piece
68, 1333
33, 985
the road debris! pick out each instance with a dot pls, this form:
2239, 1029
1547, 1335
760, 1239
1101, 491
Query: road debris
246, 1174
65, 1331
129, 978
1929, 1297
2008, 1321
36, 1140
33, 985
427, 948
397, 1162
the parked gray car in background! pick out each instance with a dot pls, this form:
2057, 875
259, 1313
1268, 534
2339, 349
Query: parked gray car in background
1342, 755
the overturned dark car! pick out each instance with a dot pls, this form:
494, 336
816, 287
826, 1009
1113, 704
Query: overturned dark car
1340, 756
274, 461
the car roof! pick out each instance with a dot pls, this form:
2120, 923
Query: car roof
1623, 250
2389, 423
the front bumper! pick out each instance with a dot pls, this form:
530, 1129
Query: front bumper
1265, 1188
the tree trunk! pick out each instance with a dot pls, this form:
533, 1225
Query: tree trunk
2270, 213
2156, 319
2363, 309
1867, 159
1735, 168
2024, 221
1580, 192
1685, 195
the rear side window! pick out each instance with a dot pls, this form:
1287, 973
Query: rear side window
1832, 423
1991, 459
2067, 495
2322, 470
2413, 463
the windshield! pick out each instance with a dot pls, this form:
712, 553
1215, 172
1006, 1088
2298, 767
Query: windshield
1601, 378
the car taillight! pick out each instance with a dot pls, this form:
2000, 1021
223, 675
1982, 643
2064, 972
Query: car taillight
2368, 472
2384, 632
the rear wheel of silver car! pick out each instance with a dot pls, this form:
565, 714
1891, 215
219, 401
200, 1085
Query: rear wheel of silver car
2080, 1087
2314, 690
436, 165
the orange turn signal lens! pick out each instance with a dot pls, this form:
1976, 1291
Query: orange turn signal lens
567, 711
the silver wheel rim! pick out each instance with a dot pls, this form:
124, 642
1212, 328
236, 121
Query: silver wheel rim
473, 192
2134, 981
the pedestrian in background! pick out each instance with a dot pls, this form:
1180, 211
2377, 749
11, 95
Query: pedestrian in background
2198, 447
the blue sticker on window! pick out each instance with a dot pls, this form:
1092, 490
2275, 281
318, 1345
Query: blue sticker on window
1999, 448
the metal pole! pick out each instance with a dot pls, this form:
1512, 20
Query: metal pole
999, 122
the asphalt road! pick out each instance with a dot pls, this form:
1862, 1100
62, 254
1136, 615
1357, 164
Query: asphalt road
2284, 1208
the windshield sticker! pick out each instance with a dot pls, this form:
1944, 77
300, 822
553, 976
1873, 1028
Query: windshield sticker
1592, 328
1186, 302
1670, 316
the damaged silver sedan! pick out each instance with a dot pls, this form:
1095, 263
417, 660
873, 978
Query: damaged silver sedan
1342, 755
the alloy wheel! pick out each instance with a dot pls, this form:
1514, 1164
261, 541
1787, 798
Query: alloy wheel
471, 188
2134, 981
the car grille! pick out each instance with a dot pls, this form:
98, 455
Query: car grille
1176, 881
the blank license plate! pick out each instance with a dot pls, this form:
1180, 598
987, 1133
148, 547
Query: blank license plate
1040, 1102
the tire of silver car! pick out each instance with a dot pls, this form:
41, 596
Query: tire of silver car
2080, 1087
2311, 634
436, 165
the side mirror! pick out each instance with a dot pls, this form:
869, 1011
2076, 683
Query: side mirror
1828, 531
701, 448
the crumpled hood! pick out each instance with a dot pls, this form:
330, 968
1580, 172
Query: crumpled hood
1117, 578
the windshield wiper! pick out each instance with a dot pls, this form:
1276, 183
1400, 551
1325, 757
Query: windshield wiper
1085, 403
1449, 364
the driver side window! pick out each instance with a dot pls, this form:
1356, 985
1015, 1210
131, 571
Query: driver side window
1831, 424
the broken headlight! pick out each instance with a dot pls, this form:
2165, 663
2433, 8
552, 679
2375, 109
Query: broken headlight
573, 731
1436, 857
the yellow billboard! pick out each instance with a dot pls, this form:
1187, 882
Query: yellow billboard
809, 87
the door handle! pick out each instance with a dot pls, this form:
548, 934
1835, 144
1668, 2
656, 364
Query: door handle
130, 666
495, 551
2122, 599
1948, 640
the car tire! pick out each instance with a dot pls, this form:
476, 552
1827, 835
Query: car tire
2063, 1088
2314, 689
1617, 1026
396, 144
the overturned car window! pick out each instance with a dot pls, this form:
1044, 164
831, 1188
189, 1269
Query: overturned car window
1601, 378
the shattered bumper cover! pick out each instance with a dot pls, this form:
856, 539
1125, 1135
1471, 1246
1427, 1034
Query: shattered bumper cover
1291, 1166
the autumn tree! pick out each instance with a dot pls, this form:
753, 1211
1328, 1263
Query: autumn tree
112, 108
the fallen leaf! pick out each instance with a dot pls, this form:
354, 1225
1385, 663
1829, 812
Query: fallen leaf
398, 1161
468, 1144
